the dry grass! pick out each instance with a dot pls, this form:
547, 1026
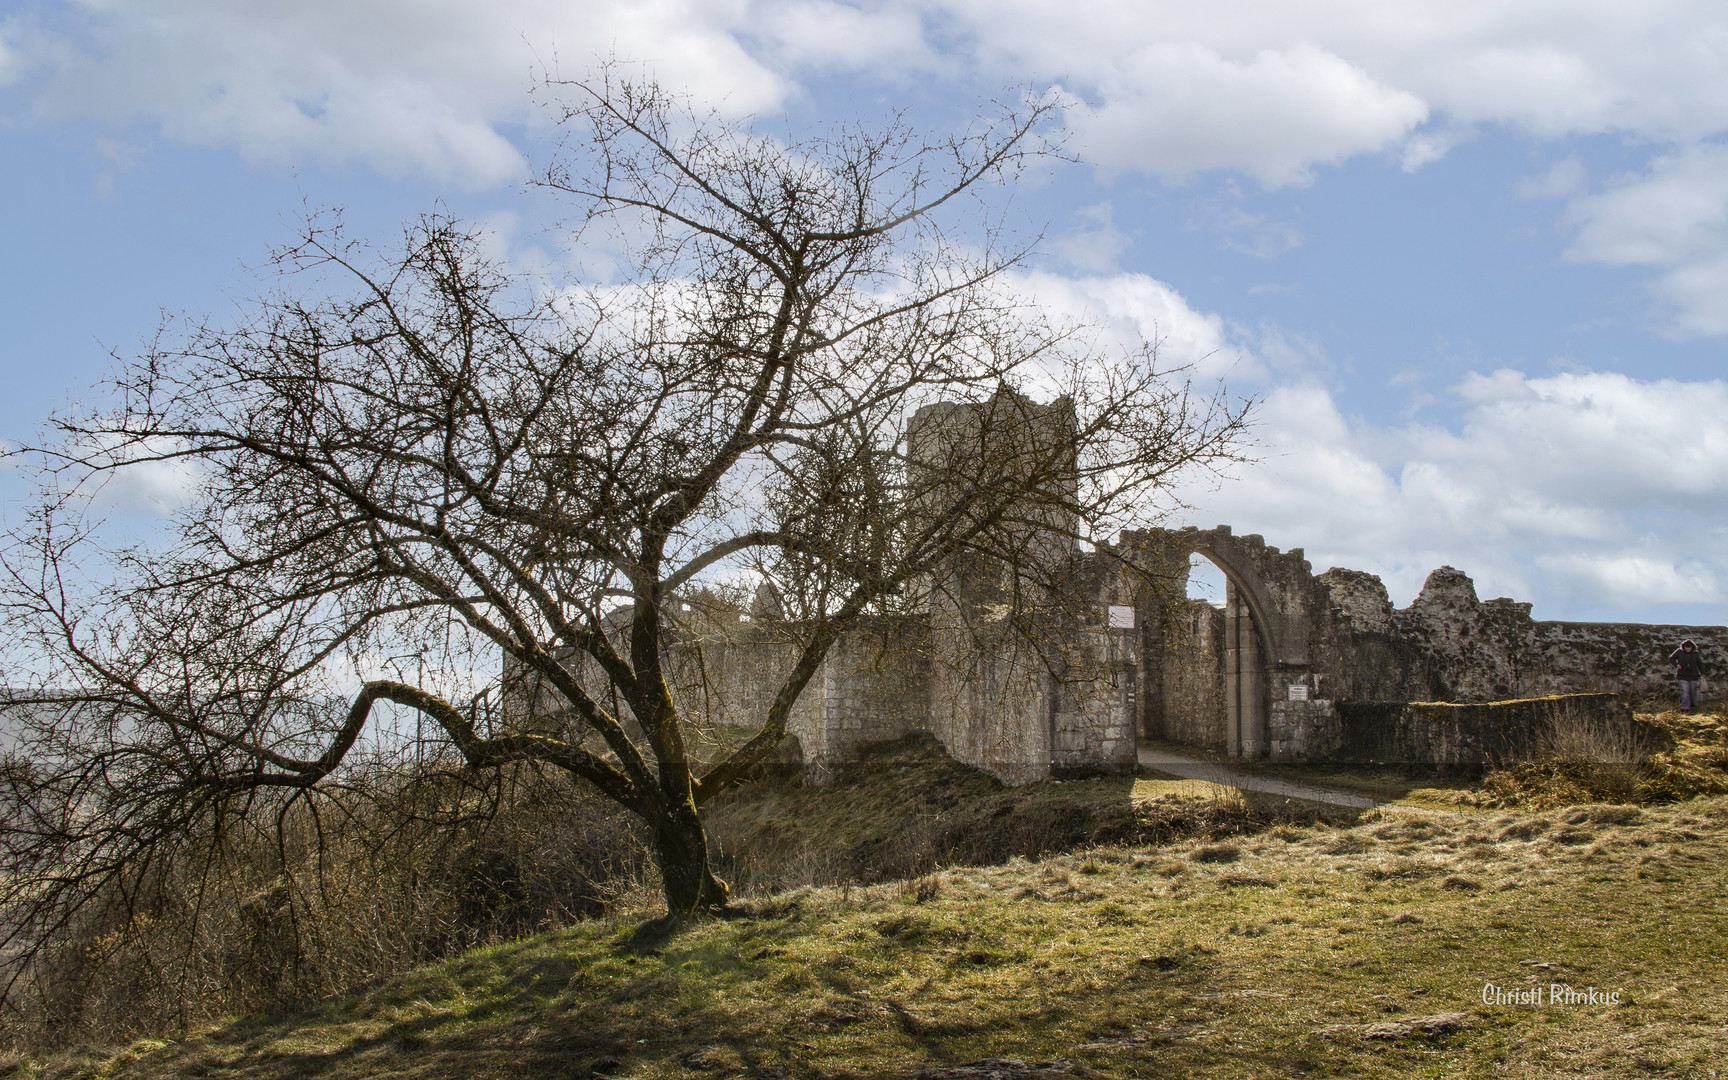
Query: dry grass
1316, 950
423, 868
1580, 764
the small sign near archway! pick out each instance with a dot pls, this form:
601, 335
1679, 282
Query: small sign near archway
1120, 617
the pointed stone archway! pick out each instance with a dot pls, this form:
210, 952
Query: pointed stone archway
1263, 648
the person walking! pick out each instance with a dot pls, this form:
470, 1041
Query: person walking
1688, 668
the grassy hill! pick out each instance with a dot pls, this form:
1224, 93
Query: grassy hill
1190, 935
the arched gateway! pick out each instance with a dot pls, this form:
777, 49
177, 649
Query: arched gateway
1259, 648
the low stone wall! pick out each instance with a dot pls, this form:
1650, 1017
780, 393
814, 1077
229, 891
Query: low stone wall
1468, 737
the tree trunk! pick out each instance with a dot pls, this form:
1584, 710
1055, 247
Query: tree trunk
683, 857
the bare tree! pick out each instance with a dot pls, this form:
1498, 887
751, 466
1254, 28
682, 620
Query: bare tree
414, 469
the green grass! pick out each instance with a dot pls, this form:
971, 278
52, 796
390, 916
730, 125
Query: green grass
1692, 763
1261, 955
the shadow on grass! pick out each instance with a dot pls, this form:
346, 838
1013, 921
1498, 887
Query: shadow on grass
543, 1009
1390, 784
651, 935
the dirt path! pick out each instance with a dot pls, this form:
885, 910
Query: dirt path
1187, 768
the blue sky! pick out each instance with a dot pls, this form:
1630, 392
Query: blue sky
1473, 257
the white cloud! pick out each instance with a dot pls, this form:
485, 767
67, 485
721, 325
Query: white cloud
1636, 579
1177, 108
1599, 436
1259, 86
1277, 90
11, 58
821, 33
1665, 216
145, 483
1430, 145
1262, 87
1697, 294
397, 85
1673, 218
1136, 308
1590, 492
1248, 234
1548, 67
1267, 239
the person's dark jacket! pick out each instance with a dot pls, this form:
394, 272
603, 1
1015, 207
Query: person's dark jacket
1688, 664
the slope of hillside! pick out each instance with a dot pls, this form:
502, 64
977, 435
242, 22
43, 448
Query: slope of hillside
1361, 949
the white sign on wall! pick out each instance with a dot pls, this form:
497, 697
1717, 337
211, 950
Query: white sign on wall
1298, 691
1121, 617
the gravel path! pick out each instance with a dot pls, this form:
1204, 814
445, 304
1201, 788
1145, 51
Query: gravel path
1187, 768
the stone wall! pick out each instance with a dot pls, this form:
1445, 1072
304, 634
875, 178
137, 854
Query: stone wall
1316, 642
1450, 646
1466, 738
1188, 705
991, 707
1305, 729
725, 672
873, 686
1288, 670
1094, 708
1027, 695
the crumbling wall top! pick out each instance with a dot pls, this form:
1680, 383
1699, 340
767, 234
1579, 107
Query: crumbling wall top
1361, 598
1447, 588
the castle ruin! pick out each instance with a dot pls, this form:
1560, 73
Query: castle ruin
1272, 674
1294, 667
